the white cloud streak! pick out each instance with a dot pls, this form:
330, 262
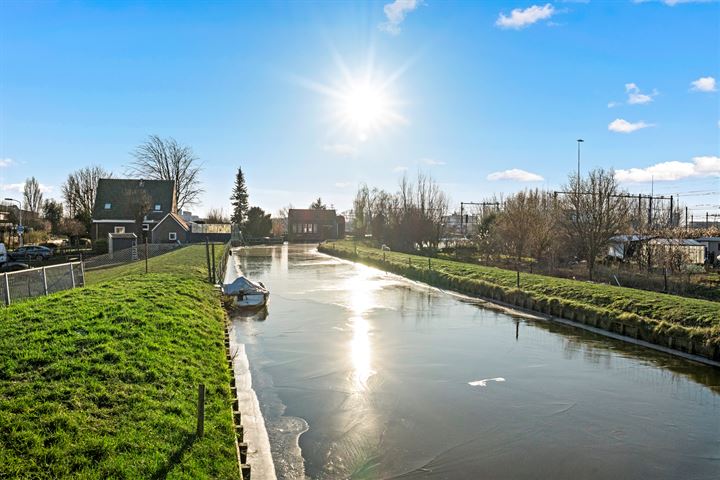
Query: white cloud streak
395, 13
521, 18
432, 162
19, 187
343, 184
400, 168
636, 97
516, 175
341, 149
704, 84
620, 125
704, 166
6, 162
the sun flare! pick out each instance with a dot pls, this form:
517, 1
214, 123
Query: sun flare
365, 108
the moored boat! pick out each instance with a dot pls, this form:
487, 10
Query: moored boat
246, 293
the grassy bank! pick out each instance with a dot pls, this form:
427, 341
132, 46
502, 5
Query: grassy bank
101, 382
694, 324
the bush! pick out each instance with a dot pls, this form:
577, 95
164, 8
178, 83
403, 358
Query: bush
100, 246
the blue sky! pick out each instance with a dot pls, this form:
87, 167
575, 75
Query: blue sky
487, 97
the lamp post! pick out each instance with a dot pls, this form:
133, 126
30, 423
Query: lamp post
20, 229
579, 141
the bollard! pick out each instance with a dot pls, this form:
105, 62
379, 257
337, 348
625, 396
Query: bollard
240, 432
243, 452
201, 411
237, 417
236, 405
245, 470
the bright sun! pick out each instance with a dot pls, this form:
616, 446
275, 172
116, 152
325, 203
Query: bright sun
365, 108
362, 103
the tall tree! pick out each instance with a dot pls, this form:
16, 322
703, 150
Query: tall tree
32, 196
165, 159
593, 213
318, 205
216, 215
239, 199
258, 223
53, 213
79, 192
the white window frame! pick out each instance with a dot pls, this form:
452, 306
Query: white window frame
172, 236
146, 227
119, 229
108, 206
158, 207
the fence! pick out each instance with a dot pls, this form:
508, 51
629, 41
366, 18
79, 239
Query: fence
129, 255
35, 282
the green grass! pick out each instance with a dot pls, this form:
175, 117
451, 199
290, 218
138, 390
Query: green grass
694, 318
101, 382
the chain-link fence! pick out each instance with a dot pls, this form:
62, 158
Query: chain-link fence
129, 255
35, 282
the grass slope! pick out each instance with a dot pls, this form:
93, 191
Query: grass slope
698, 319
101, 382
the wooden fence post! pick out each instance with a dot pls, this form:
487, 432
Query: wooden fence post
201, 411
207, 257
214, 274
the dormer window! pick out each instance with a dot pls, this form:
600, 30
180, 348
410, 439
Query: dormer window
158, 207
108, 206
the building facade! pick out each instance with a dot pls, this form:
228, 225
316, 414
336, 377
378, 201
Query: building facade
309, 225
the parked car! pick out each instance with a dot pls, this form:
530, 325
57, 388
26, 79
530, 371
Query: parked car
32, 252
3, 254
13, 267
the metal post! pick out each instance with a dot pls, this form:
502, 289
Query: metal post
672, 220
72, 275
687, 225
201, 411
7, 290
44, 275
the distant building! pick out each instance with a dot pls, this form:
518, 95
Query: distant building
308, 225
712, 245
131, 206
173, 228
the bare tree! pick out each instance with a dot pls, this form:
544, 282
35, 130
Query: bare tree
32, 196
593, 213
216, 215
79, 191
166, 159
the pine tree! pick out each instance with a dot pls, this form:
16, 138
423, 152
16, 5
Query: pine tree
239, 199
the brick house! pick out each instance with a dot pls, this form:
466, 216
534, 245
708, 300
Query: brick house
173, 228
308, 225
131, 206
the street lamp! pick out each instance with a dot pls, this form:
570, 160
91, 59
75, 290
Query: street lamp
579, 141
20, 227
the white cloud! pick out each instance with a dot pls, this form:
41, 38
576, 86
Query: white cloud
520, 18
614, 104
670, 171
341, 149
6, 162
395, 13
620, 125
432, 162
704, 84
515, 174
19, 187
343, 184
400, 168
635, 97
672, 3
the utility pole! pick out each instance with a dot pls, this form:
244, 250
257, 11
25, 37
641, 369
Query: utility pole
579, 141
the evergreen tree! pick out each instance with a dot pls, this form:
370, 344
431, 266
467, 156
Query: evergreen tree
239, 199
318, 205
258, 223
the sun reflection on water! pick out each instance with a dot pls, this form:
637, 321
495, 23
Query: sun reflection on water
361, 288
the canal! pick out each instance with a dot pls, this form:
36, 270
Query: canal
363, 374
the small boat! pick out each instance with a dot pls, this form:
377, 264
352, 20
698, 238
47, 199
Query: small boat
246, 293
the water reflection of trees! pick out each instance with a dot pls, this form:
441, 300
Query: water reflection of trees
623, 356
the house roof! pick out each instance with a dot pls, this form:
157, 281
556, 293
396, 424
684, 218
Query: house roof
676, 241
311, 215
174, 216
708, 239
123, 196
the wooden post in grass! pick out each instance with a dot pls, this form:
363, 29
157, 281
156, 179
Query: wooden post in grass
429, 265
201, 411
213, 263
409, 261
207, 257
146, 254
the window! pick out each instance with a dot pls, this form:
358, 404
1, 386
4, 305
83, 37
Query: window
158, 207
119, 229
108, 206
172, 236
146, 227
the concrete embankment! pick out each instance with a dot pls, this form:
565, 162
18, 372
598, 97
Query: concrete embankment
693, 343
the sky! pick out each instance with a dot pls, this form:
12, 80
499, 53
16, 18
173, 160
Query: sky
314, 98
